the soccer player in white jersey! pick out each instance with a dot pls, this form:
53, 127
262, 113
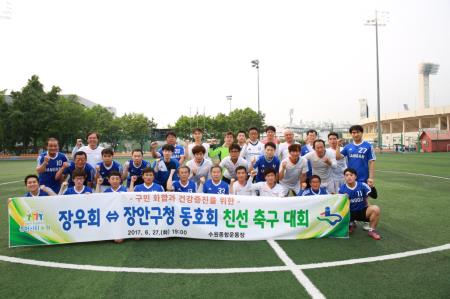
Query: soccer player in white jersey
231, 162
93, 150
199, 166
271, 135
288, 140
269, 187
322, 162
293, 171
197, 134
254, 148
241, 138
243, 184
341, 165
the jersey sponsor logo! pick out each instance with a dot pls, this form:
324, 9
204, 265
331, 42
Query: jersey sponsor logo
357, 199
358, 156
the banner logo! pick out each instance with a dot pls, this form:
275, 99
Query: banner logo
332, 219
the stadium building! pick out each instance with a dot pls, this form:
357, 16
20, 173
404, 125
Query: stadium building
404, 129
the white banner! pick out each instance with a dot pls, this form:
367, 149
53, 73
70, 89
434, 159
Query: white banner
108, 216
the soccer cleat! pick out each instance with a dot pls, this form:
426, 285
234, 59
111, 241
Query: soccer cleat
351, 227
366, 226
374, 235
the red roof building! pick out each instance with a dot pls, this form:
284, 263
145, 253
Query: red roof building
435, 141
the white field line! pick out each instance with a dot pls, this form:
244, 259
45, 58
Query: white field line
416, 174
312, 290
141, 270
23, 261
7, 183
386, 257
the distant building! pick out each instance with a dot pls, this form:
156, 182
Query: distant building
85, 102
435, 141
405, 128
89, 104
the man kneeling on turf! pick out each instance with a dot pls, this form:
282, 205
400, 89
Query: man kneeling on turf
357, 193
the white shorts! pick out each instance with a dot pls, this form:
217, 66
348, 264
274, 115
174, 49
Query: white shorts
338, 184
287, 189
329, 185
103, 188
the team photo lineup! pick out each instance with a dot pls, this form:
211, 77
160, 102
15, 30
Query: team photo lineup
243, 165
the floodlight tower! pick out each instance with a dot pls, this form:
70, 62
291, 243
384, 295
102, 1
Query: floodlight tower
255, 64
229, 98
291, 117
381, 17
425, 70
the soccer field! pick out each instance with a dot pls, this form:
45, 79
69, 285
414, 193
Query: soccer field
412, 260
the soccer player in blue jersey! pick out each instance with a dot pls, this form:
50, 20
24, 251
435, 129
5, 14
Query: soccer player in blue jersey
360, 210
361, 157
215, 185
134, 167
268, 160
314, 189
184, 184
148, 175
311, 136
165, 165
106, 167
33, 188
49, 163
79, 162
78, 177
171, 139
115, 183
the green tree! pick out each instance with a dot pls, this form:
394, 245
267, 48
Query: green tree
98, 119
184, 125
136, 126
242, 119
32, 112
114, 132
3, 120
69, 121
216, 127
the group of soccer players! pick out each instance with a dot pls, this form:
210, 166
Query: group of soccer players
248, 166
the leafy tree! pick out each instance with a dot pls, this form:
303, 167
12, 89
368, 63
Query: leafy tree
136, 126
32, 112
3, 120
69, 121
114, 132
216, 127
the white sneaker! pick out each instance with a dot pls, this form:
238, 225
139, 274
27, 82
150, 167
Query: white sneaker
366, 226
